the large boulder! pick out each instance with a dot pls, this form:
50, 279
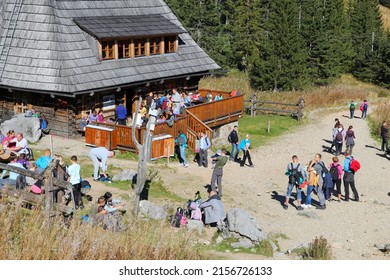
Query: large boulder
125, 175
29, 126
243, 223
150, 210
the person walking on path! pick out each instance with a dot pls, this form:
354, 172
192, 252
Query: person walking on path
99, 157
349, 178
319, 167
334, 129
364, 108
181, 141
244, 146
352, 107
204, 145
295, 173
339, 136
336, 171
233, 139
218, 171
385, 136
312, 181
350, 139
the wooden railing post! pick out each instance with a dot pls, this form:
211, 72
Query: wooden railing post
253, 105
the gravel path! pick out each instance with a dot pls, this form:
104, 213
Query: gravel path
352, 228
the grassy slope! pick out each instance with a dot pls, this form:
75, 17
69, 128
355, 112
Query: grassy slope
385, 17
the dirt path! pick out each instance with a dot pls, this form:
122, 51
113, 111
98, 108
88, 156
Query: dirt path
352, 228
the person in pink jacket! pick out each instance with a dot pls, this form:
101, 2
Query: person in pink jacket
336, 171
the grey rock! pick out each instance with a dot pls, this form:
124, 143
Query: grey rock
29, 126
195, 225
243, 243
309, 214
125, 175
245, 224
207, 242
150, 210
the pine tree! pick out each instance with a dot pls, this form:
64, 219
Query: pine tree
324, 27
367, 35
280, 61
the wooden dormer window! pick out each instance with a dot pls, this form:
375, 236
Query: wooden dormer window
155, 46
140, 47
108, 50
170, 44
124, 49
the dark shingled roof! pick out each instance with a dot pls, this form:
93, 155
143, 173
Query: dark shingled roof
43, 49
128, 26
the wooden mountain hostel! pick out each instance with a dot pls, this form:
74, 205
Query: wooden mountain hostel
65, 57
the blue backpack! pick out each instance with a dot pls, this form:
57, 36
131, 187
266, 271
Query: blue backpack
327, 177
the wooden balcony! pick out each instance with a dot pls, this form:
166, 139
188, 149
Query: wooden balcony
202, 117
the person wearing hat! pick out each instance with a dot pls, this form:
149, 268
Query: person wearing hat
218, 171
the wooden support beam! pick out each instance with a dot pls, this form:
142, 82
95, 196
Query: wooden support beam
23, 195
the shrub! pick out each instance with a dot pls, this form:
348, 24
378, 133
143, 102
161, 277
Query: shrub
319, 249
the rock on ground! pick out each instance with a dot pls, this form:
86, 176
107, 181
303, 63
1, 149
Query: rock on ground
150, 210
195, 225
29, 126
245, 224
125, 175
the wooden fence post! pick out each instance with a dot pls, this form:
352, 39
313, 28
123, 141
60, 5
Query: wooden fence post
253, 105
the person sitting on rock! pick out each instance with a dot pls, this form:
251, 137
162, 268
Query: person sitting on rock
112, 205
213, 211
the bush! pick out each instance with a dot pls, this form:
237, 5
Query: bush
319, 249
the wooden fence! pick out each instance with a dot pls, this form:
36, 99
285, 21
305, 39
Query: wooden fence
51, 186
293, 109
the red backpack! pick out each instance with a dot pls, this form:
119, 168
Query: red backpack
354, 165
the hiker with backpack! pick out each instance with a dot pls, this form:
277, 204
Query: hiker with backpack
339, 136
351, 166
312, 181
336, 171
181, 142
204, 145
364, 108
321, 170
350, 139
334, 130
352, 107
233, 140
295, 173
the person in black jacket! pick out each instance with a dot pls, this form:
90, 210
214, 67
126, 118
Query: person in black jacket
385, 136
233, 139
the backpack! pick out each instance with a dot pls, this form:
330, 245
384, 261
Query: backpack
29, 154
180, 140
354, 165
352, 106
362, 107
230, 138
334, 172
295, 177
207, 140
339, 135
327, 177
